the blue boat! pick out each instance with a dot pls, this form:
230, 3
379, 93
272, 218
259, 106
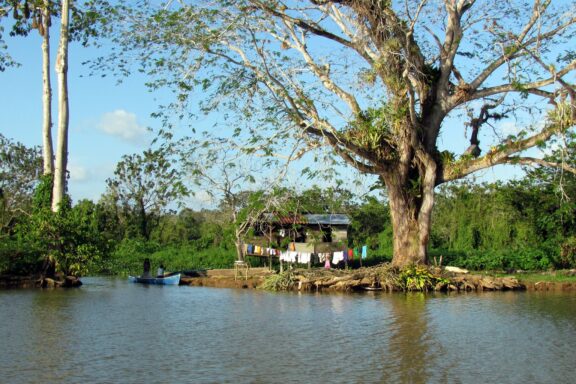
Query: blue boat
168, 280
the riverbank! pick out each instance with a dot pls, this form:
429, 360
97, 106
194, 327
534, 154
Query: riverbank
378, 278
382, 278
9, 281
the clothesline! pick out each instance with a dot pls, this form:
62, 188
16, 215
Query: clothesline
292, 256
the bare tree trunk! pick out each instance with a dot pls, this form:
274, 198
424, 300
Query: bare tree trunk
144, 225
47, 150
239, 245
411, 211
63, 110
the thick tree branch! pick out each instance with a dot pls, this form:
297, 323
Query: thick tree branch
500, 155
475, 124
528, 87
532, 161
310, 27
324, 74
342, 148
516, 51
452, 40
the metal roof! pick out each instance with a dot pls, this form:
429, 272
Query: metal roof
314, 219
328, 219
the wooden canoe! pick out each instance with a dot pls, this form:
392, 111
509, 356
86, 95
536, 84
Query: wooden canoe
168, 280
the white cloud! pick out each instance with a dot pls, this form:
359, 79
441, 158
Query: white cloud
122, 124
77, 172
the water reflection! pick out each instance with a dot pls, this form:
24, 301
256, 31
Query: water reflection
111, 331
408, 358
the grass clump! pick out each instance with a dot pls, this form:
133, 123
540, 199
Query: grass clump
419, 278
280, 282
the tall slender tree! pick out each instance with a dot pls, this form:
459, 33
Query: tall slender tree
77, 23
60, 168
44, 30
29, 15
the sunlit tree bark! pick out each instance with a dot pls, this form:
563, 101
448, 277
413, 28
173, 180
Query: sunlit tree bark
60, 171
47, 150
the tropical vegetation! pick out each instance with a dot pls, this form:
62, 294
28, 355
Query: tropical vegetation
527, 224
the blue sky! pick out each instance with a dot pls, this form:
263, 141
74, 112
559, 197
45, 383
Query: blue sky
107, 119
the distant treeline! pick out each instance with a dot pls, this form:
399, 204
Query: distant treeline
528, 224
517, 225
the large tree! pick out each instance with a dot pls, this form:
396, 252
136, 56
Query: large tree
146, 186
381, 83
241, 185
29, 15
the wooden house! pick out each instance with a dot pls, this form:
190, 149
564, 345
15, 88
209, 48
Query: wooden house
313, 233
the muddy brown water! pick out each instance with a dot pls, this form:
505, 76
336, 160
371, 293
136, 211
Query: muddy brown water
112, 331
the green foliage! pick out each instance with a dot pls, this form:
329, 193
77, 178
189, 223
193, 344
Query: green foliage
130, 254
567, 258
280, 282
86, 19
16, 259
20, 168
418, 278
175, 229
70, 238
519, 225
144, 186
324, 200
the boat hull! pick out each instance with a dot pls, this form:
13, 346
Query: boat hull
168, 280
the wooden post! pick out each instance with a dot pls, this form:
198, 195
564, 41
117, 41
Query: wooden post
270, 248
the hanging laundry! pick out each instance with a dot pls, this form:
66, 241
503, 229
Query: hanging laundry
356, 253
326, 262
350, 254
285, 256
250, 249
292, 256
364, 251
337, 257
305, 258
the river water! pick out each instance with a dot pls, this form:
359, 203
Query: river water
112, 331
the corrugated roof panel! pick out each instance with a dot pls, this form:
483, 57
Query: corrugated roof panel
323, 219
328, 219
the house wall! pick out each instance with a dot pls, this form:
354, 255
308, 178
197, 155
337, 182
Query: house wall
339, 235
328, 247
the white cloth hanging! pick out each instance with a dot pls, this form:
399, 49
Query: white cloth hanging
337, 257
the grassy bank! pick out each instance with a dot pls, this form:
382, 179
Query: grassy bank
562, 276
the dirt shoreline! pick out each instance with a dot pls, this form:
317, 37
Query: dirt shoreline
10, 282
256, 277
355, 280
255, 282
